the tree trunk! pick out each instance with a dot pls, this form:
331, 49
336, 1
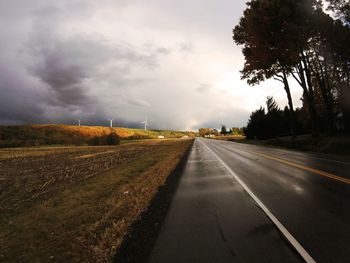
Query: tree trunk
291, 108
310, 97
320, 69
328, 104
315, 121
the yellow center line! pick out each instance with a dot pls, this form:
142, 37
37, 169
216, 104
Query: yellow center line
315, 171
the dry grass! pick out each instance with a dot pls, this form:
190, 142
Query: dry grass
75, 204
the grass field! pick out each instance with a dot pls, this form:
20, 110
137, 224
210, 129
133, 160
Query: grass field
75, 204
49, 134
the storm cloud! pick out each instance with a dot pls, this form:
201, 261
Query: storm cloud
171, 61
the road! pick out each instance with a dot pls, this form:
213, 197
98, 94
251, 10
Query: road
246, 203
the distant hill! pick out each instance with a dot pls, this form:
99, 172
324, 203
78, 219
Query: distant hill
51, 134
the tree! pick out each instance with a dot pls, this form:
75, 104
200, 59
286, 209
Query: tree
274, 119
256, 125
330, 65
271, 105
274, 35
237, 131
204, 131
296, 38
265, 44
223, 130
266, 124
214, 132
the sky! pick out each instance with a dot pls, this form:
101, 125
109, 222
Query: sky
172, 62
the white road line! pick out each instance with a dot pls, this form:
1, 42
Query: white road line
302, 252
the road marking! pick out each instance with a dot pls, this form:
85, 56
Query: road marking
325, 174
302, 252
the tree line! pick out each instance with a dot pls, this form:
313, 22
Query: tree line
275, 122
284, 39
205, 132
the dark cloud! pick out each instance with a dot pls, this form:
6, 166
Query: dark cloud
60, 74
19, 106
19, 95
93, 60
65, 66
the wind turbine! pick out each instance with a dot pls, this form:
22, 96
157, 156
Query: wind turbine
145, 123
111, 123
79, 122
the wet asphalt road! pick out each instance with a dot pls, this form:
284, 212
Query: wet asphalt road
213, 219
